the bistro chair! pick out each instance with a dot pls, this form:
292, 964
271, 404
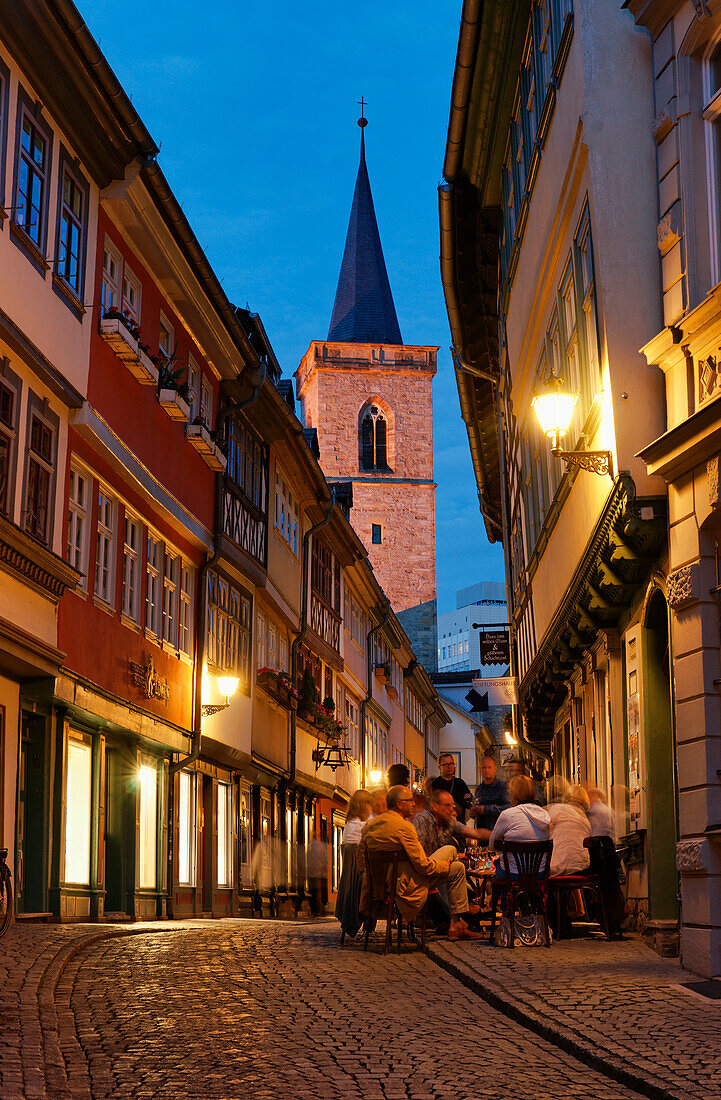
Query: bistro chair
531, 880
562, 885
382, 871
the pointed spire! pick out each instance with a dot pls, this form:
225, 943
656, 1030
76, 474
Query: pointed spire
363, 311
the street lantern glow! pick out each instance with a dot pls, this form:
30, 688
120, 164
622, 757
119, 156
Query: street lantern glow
375, 776
554, 408
228, 685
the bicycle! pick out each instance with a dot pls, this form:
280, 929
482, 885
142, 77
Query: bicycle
6, 893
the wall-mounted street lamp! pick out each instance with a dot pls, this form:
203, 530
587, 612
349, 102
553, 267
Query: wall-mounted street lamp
554, 410
227, 685
331, 756
375, 777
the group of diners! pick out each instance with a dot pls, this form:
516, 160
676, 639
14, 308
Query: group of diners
428, 830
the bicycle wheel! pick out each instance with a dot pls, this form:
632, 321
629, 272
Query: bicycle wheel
6, 903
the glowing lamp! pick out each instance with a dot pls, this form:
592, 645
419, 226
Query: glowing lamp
228, 685
375, 777
554, 409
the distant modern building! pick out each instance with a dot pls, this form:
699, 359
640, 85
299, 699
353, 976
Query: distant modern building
459, 644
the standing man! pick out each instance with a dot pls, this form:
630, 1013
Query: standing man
491, 795
449, 781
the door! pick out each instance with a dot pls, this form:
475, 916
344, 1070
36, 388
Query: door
31, 859
119, 834
206, 844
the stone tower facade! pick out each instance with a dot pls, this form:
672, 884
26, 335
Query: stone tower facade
369, 397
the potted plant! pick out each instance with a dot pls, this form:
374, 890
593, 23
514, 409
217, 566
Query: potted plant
173, 391
308, 696
383, 672
122, 333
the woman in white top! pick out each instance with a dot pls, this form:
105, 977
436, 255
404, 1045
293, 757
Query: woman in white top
523, 820
569, 828
348, 900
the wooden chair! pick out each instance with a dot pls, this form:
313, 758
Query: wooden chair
531, 879
382, 907
585, 880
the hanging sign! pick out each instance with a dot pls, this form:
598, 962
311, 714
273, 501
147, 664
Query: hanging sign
494, 647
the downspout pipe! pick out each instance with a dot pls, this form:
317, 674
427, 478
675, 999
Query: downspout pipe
369, 693
329, 505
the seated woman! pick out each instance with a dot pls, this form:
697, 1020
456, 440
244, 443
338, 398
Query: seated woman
522, 821
600, 814
569, 828
348, 899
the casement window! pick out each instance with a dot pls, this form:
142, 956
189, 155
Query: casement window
111, 285
40, 476
225, 842
71, 240
414, 710
148, 827
105, 549
9, 409
260, 641
131, 568
171, 578
286, 513
187, 808
352, 721
247, 463
272, 645
245, 829
78, 810
206, 403
193, 387
166, 343
229, 621
185, 623
132, 295
376, 534
153, 564
326, 575
34, 155
357, 625
79, 497
374, 439
283, 653
586, 290
376, 745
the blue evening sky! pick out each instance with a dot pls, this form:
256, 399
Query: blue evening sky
255, 107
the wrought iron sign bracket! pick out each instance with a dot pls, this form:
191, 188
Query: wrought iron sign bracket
596, 462
212, 708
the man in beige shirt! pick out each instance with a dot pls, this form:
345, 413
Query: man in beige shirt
417, 872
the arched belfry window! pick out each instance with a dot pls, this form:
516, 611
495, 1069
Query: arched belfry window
374, 440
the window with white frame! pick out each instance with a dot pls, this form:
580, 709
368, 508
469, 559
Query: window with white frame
260, 641
186, 828
78, 807
283, 653
153, 565
205, 411
245, 830
165, 338
131, 295
229, 622
357, 624
9, 401
352, 711
225, 846
272, 645
131, 568
148, 826
33, 177
193, 387
171, 577
110, 290
78, 505
72, 228
185, 624
414, 710
286, 512
105, 548
40, 477
376, 745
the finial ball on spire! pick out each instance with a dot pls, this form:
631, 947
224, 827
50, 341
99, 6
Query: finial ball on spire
362, 122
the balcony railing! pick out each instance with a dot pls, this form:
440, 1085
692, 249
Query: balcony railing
325, 621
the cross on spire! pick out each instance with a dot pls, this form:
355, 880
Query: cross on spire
362, 103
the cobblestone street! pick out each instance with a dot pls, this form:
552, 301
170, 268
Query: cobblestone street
258, 1009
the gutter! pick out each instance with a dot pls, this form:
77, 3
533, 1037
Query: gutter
330, 505
471, 19
369, 693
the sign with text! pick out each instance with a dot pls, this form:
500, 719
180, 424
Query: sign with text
494, 647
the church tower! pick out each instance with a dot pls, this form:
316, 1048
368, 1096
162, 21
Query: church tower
369, 397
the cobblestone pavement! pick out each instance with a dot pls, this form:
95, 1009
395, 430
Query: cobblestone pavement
613, 1002
254, 1009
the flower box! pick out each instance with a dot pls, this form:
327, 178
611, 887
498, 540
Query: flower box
392, 693
199, 436
174, 405
115, 333
217, 460
278, 687
144, 369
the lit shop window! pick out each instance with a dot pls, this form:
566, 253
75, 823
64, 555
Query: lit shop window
78, 812
224, 841
148, 826
186, 829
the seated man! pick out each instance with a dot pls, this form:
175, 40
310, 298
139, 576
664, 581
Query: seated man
417, 872
439, 824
